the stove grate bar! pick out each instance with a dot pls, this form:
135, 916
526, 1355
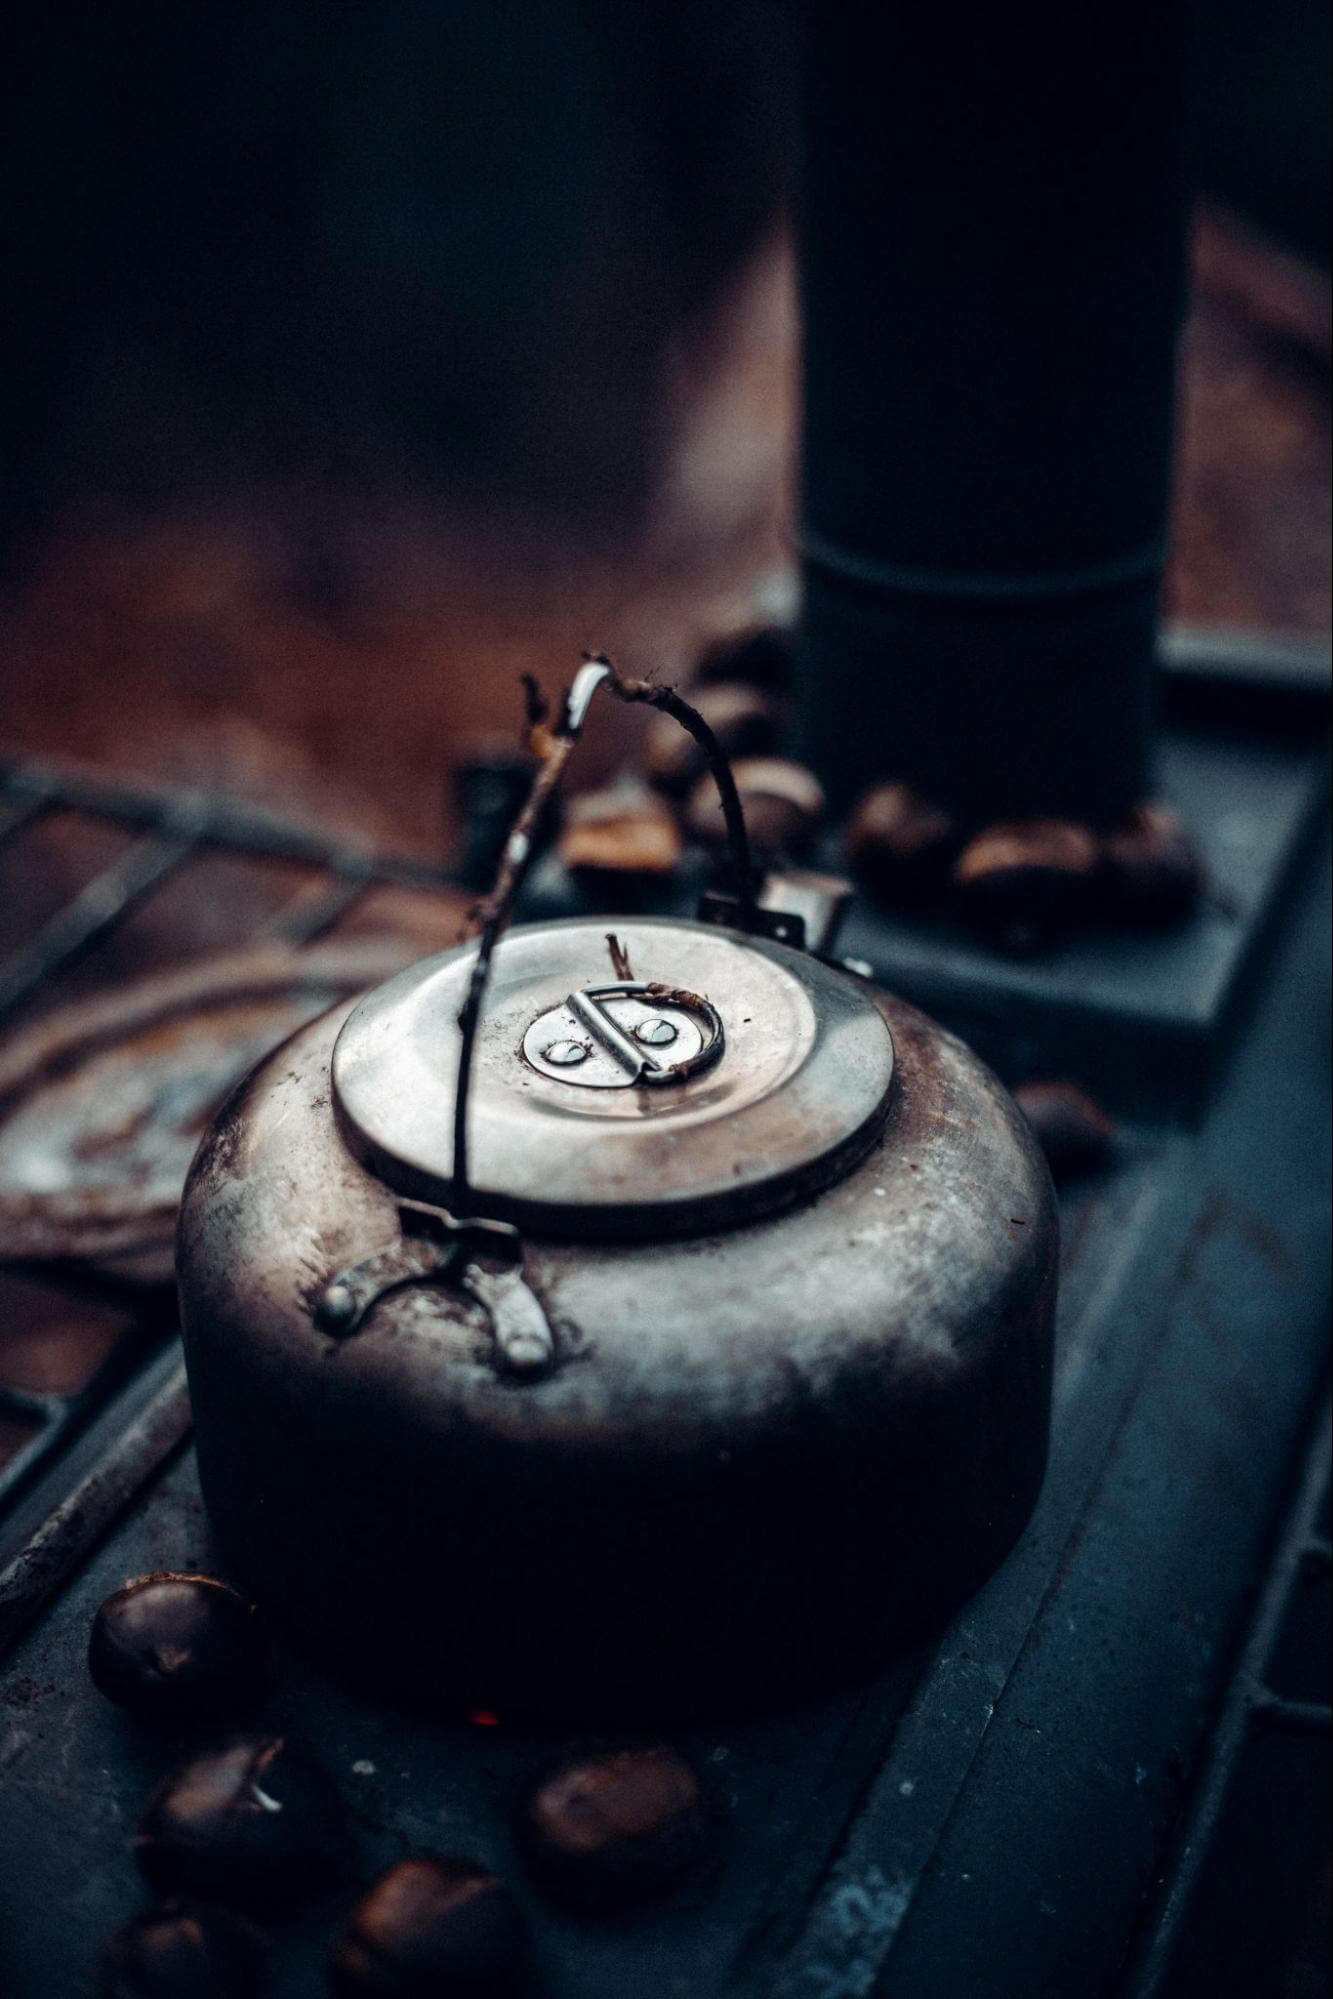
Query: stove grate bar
175, 825
93, 912
18, 813
218, 820
85, 1513
318, 909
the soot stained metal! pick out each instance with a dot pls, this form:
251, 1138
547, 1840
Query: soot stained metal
636, 1344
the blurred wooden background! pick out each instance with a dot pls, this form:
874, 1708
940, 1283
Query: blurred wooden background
333, 662
353, 370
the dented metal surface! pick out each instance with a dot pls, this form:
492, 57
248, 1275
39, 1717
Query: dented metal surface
739, 1426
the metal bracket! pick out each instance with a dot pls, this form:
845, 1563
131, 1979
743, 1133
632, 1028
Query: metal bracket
800, 908
435, 1248
728, 913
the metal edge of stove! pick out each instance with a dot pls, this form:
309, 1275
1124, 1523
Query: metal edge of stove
1294, 666
947, 1790
64, 1518
1250, 1704
58, 1419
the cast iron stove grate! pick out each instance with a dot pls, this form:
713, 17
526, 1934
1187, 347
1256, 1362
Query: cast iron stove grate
172, 832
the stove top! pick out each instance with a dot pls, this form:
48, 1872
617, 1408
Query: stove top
1037, 1801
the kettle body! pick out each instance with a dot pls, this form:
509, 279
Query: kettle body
750, 1389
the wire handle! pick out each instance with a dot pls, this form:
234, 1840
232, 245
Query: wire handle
556, 746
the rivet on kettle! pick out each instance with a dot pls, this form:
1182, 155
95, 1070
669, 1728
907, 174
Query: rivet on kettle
656, 1032
566, 1054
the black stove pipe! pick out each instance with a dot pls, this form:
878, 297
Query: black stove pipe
991, 244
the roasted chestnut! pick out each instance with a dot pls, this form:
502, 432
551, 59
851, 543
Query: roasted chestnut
171, 1645
255, 1823
783, 801
1152, 872
617, 1828
899, 845
1025, 885
432, 1926
182, 1952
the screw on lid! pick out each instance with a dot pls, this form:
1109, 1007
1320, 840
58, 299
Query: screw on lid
728, 1077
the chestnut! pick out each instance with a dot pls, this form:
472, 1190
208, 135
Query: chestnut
182, 1952
1071, 1127
899, 845
745, 722
783, 804
255, 1823
431, 1925
616, 1828
171, 1645
1025, 885
1152, 872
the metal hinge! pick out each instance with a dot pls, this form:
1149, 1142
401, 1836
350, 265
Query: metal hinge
481, 1259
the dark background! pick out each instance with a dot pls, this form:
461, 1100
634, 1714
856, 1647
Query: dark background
356, 360
347, 251
357, 248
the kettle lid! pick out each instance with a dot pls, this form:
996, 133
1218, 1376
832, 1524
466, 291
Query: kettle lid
725, 1076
